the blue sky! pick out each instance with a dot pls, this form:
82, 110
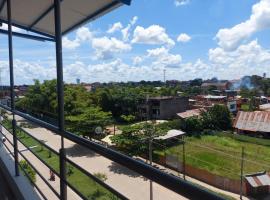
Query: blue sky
189, 38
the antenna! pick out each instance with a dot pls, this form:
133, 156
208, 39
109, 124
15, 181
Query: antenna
164, 75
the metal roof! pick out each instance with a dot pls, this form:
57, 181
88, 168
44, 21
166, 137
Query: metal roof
170, 134
38, 15
265, 107
257, 121
191, 113
259, 179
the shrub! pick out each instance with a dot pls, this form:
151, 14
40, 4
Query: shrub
101, 176
128, 118
28, 170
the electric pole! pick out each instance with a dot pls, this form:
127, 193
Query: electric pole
164, 75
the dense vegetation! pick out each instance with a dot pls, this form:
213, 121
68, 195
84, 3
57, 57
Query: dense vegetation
85, 111
135, 138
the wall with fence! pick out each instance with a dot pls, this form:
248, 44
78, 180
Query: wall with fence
203, 175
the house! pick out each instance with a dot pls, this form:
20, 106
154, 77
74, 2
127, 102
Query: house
206, 101
257, 184
253, 123
265, 107
165, 107
221, 86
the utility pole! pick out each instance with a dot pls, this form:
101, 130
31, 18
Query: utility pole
184, 159
150, 161
242, 172
164, 75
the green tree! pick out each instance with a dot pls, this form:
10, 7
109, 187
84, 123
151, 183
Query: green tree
193, 125
89, 122
217, 117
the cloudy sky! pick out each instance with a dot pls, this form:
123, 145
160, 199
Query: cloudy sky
189, 38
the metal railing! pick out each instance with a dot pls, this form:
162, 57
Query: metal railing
171, 182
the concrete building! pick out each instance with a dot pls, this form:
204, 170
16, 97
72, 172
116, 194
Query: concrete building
165, 107
221, 86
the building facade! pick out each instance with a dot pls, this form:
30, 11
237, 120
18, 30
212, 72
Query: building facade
162, 107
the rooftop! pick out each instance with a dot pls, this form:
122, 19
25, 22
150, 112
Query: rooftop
257, 121
191, 113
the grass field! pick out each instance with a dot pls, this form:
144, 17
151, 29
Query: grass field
245, 107
221, 154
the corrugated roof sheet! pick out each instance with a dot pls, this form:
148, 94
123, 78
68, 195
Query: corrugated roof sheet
259, 179
38, 15
257, 121
191, 113
170, 134
265, 107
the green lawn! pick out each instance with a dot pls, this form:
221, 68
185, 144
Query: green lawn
245, 107
221, 154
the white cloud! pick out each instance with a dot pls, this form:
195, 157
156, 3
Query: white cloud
26, 72
183, 37
247, 59
181, 2
126, 31
163, 58
115, 27
106, 47
137, 60
82, 34
155, 35
231, 38
134, 20
15, 29
70, 44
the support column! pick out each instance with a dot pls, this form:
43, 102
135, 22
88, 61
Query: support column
12, 96
60, 95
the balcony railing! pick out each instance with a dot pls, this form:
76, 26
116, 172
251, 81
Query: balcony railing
170, 182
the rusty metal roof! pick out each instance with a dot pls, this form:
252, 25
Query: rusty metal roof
191, 113
257, 121
259, 179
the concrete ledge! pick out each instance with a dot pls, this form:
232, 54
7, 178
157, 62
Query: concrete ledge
20, 186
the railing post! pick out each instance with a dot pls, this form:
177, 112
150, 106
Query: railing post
63, 186
150, 162
60, 95
184, 159
242, 172
12, 96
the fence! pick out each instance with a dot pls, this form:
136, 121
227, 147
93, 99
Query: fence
223, 168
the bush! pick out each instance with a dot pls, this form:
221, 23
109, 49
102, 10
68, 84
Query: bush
101, 176
28, 170
218, 117
173, 124
128, 118
193, 125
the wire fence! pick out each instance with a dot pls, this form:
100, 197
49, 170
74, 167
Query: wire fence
220, 161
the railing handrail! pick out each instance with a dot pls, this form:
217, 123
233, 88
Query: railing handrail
178, 185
